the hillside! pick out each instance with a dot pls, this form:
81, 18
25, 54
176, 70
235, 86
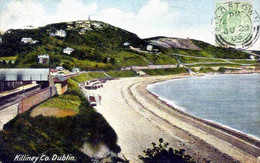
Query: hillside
92, 46
97, 45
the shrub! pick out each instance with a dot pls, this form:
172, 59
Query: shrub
162, 154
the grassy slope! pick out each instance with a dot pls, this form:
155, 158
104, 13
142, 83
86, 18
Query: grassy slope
91, 49
165, 71
120, 74
93, 75
220, 52
65, 101
96, 49
12, 58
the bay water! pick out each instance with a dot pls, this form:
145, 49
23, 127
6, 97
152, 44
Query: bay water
231, 100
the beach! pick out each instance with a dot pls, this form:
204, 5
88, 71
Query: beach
140, 118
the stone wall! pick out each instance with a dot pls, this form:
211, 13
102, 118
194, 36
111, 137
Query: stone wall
8, 113
34, 99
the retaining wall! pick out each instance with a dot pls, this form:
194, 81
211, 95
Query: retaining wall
25, 104
34, 99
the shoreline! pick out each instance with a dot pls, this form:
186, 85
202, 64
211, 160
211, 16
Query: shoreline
131, 109
235, 132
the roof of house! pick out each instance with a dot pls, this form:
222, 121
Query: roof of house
44, 56
59, 68
26, 38
59, 79
24, 74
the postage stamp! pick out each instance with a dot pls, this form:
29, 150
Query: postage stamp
236, 24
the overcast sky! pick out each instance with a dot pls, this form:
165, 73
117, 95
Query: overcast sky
146, 18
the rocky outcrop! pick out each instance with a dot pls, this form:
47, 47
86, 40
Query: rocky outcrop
166, 42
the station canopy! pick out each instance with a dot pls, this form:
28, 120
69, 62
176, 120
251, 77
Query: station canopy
24, 74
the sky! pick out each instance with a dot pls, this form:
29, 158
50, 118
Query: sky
146, 18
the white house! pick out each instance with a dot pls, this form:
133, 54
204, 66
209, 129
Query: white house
43, 59
61, 33
68, 50
149, 47
126, 44
60, 68
75, 70
252, 57
27, 40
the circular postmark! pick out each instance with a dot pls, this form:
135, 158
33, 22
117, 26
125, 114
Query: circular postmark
237, 25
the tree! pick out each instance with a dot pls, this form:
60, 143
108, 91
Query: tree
161, 154
113, 61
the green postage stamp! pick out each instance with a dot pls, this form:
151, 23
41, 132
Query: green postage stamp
236, 24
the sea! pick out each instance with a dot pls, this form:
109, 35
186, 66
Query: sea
231, 100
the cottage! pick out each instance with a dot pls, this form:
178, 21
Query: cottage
26, 40
126, 44
43, 59
68, 50
75, 70
149, 47
13, 78
60, 68
61, 84
61, 33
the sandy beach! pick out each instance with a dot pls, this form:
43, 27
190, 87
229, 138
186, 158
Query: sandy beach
139, 118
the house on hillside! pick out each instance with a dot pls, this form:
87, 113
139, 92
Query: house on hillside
68, 50
60, 33
61, 84
43, 59
60, 68
126, 44
26, 40
75, 70
13, 78
149, 47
